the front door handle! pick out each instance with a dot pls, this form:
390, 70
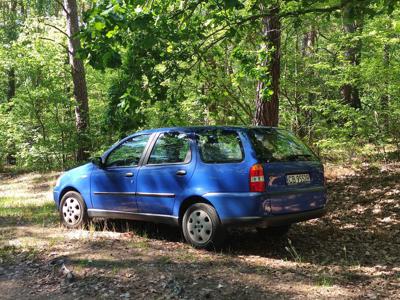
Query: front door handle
181, 172
129, 174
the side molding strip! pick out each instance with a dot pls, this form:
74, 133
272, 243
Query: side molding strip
116, 214
116, 193
164, 195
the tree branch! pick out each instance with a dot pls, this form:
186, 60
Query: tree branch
259, 16
62, 6
328, 9
58, 29
51, 40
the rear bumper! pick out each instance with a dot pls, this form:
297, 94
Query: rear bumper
279, 220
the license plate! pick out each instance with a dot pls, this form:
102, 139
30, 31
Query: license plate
297, 178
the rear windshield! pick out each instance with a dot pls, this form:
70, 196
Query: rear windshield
220, 146
273, 144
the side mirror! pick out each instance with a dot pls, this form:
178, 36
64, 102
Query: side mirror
98, 161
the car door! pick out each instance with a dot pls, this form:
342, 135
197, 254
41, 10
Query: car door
113, 185
165, 173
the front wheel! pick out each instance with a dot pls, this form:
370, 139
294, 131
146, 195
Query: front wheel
202, 228
73, 211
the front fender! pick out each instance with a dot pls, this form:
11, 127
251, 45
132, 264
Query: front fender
76, 179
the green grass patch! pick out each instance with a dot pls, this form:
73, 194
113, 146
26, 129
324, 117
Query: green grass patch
7, 252
325, 281
164, 260
21, 211
142, 244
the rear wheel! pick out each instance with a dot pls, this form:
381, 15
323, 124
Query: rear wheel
273, 232
73, 211
201, 226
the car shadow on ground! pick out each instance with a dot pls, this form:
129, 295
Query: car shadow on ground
361, 227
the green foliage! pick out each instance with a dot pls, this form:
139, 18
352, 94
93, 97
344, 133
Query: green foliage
38, 123
169, 63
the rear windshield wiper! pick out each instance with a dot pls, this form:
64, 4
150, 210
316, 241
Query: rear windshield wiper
297, 156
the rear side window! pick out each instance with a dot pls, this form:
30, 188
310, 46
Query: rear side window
171, 147
273, 144
220, 146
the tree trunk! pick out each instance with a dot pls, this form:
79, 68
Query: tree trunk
309, 40
352, 18
12, 36
308, 46
385, 98
78, 78
267, 106
11, 84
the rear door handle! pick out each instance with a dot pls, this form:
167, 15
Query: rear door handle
181, 172
129, 174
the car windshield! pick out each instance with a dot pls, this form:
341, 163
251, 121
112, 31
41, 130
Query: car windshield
273, 144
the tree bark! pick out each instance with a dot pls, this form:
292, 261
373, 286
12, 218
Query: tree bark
12, 36
11, 84
385, 97
308, 46
309, 40
267, 107
78, 78
352, 18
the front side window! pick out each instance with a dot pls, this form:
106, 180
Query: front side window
128, 153
220, 146
170, 148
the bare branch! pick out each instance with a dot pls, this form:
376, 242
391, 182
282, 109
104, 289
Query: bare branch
62, 6
58, 29
60, 44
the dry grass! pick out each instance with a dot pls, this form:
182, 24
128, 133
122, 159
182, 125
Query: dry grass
350, 253
27, 199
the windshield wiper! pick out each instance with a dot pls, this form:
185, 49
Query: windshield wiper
297, 156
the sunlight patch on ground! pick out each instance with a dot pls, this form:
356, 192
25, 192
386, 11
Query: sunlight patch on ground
27, 198
28, 187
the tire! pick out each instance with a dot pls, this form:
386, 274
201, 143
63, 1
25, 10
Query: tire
273, 232
202, 228
73, 212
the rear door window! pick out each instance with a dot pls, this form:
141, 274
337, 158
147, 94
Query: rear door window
273, 144
171, 148
220, 146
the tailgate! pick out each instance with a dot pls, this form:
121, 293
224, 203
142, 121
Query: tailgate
294, 186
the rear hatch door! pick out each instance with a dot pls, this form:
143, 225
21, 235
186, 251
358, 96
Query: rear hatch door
294, 176
294, 186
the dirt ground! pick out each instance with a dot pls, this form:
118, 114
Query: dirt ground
351, 253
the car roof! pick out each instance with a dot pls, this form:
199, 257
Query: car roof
199, 128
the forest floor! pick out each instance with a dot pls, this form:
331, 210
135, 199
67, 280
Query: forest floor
352, 252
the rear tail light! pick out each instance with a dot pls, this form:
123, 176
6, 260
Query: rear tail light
257, 181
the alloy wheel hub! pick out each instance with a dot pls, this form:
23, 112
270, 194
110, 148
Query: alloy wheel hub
199, 226
72, 211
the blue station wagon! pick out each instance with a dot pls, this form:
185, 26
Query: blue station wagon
202, 179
